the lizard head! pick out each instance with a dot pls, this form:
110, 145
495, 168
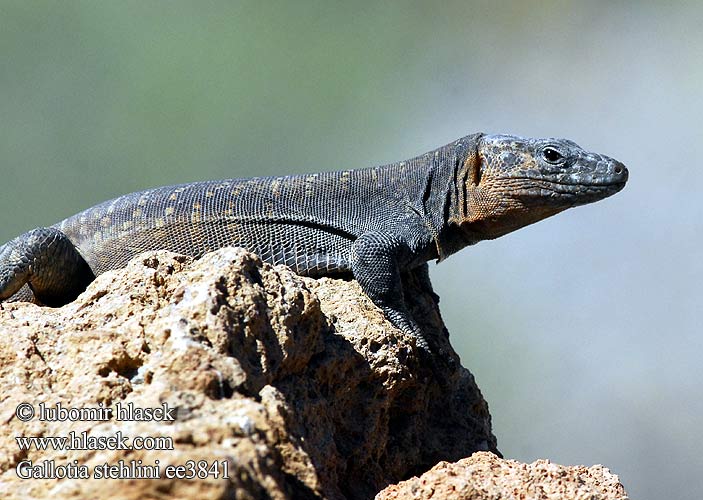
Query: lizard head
512, 182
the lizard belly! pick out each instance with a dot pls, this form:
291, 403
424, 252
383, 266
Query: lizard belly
309, 251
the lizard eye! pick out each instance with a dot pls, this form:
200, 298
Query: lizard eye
552, 155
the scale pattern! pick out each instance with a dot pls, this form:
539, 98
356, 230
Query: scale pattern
300, 221
377, 223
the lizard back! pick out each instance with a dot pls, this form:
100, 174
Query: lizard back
307, 222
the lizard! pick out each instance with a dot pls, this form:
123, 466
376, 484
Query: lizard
373, 224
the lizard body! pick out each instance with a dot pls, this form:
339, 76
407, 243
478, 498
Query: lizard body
373, 223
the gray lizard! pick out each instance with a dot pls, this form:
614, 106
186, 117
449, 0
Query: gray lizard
373, 223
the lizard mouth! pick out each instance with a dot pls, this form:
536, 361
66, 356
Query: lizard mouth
581, 186
575, 186
576, 192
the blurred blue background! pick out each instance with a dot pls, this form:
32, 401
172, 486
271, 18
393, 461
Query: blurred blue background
583, 331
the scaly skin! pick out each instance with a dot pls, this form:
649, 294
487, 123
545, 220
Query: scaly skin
375, 223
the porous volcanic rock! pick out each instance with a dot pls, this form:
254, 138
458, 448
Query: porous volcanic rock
484, 476
299, 387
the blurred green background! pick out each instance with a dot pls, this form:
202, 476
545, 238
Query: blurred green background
583, 331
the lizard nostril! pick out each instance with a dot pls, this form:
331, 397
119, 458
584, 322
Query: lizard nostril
618, 169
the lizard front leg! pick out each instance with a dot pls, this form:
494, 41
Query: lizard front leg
48, 262
376, 259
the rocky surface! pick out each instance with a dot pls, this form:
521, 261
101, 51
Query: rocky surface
299, 387
484, 476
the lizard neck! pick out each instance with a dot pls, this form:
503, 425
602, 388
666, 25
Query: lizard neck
445, 197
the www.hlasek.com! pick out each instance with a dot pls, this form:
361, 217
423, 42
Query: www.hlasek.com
90, 441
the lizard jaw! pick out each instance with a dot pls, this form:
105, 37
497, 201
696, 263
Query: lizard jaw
605, 178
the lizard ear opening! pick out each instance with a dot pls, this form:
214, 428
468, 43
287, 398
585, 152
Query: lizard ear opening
473, 166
